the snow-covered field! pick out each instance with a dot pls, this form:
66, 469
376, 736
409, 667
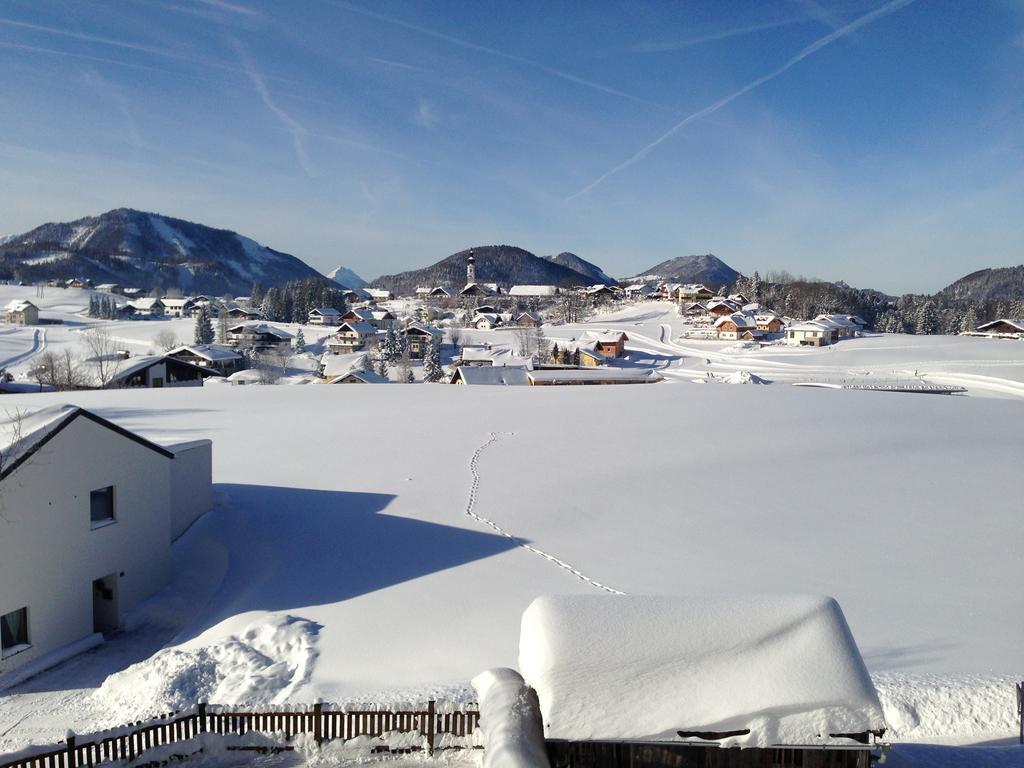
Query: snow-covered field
342, 564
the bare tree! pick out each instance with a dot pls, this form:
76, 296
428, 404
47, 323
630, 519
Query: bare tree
12, 434
455, 334
526, 342
166, 340
103, 354
60, 371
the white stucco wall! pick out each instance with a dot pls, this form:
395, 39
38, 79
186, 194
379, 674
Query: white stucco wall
50, 555
191, 480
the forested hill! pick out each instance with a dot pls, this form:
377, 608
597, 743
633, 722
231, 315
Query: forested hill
506, 265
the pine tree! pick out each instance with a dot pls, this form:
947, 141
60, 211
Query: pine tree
300, 341
969, 322
382, 364
391, 347
432, 370
204, 333
255, 295
927, 321
556, 354
542, 346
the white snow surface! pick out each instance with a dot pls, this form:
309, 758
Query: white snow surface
510, 717
643, 668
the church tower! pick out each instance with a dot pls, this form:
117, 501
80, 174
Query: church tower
470, 268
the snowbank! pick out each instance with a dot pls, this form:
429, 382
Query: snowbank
265, 664
646, 668
511, 720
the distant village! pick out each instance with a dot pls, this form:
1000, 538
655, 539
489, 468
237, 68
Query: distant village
376, 337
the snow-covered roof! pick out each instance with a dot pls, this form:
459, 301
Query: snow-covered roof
18, 305
211, 352
810, 326
20, 436
739, 319
604, 337
532, 290
365, 376
145, 304
339, 365
784, 669
1018, 324
257, 327
532, 315
569, 375
378, 293
425, 329
838, 321
493, 376
176, 303
325, 312
363, 329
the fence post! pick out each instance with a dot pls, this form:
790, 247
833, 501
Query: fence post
202, 717
430, 727
318, 723
72, 753
1020, 709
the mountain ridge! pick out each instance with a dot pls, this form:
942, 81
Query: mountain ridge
148, 250
697, 268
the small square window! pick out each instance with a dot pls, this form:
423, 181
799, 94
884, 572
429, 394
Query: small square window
101, 505
14, 631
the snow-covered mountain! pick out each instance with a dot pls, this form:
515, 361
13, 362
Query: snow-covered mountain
591, 271
706, 268
148, 250
345, 277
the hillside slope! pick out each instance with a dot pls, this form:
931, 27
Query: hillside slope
987, 284
706, 268
591, 271
506, 265
148, 250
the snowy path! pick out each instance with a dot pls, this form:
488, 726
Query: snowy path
38, 345
471, 506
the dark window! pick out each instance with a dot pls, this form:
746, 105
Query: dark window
13, 629
101, 505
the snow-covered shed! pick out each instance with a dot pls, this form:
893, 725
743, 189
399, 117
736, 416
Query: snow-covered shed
762, 672
89, 511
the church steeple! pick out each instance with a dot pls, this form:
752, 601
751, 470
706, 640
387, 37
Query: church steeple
470, 268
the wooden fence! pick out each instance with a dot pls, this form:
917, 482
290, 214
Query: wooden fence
437, 728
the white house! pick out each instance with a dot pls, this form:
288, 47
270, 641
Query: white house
533, 290
324, 316
148, 307
379, 294
809, 334
178, 307
89, 513
21, 312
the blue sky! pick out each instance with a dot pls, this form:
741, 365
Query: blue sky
876, 142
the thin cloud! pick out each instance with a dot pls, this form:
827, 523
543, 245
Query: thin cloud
83, 56
113, 94
425, 114
223, 5
568, 76
652, 47
294, 127
817, 45
396, 64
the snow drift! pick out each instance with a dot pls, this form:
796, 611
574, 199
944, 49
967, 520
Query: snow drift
511, 720
264, 664
786, 668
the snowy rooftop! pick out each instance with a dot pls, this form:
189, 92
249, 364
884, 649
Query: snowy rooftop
18, 305
257, 327
493, 376
783, 667
532, 290
211, 352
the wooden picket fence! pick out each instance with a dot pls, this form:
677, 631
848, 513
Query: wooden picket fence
438, 728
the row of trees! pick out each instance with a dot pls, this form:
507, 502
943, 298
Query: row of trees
292, 302
103, 307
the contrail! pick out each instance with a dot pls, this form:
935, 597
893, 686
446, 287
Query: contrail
817, 45
293, 126
492, 52
714, 36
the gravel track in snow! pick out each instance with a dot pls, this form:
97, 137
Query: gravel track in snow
471, 506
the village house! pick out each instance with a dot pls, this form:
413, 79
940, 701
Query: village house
443, 292
480, 289
842, 326
241, 314
178, 307
576, 354
533, 291
146, 307
721, 308
529, 320
109, 287
485, 309
768, 322
418, 337
379, 318
379, 294
607, 343
77, 282
353, 295
217, 357
157, 371
1001, 327
486, 322
695, 309
360, 376
694, 292
734, 326
596, 376
351, 337
21, 312
502, 376
259, 337
324, 316
90, 511
809, 334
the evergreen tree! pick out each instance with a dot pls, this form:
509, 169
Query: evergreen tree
432, 370
382, 363
926, 322
300, 341
969, 321
556, 354
93, 305
256, 295
755, 287
391, 347
204, 333
542, 347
